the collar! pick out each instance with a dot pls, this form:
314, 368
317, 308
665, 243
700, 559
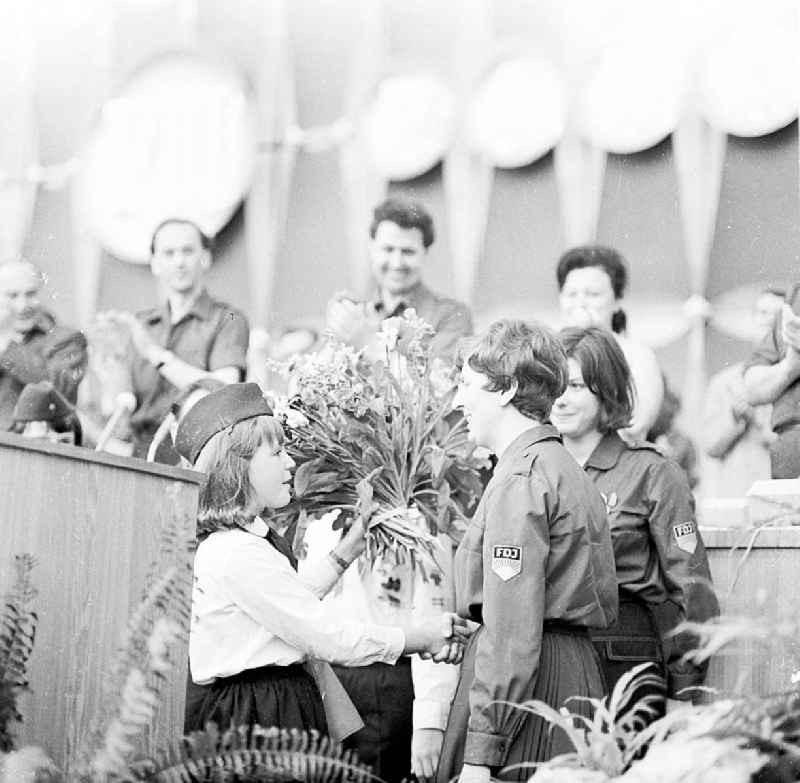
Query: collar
258, 527
535, 434
412, 298
607, 453
201, 309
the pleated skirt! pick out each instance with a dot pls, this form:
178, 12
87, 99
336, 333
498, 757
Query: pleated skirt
282, 696
568, 666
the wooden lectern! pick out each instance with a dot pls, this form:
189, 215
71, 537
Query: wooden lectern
93, 522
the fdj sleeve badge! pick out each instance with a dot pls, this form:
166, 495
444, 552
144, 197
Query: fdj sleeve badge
686, 537
506, 561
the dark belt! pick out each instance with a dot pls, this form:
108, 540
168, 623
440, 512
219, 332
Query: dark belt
561, 626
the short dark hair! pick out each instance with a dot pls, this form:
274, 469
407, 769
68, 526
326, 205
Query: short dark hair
606, 258
528, 354
205, 241
406, 214
605, 372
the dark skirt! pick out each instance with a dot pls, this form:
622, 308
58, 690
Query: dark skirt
282, 696
568, 666
384, 697
631, 641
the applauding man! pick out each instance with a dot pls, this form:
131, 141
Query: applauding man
189, 336
32, 347
773, 375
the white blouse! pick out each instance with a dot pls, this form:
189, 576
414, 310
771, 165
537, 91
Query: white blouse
394, 595
250, 609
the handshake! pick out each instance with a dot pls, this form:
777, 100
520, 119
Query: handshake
441, 640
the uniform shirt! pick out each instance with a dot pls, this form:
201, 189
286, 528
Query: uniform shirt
786, 407
22, 363
398, 595
538, 548
450, 319
210, 336
250, 608
658, 549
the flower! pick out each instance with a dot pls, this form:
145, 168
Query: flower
287, 415
378, 439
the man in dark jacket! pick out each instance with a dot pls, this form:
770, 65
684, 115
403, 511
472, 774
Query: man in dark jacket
32, 347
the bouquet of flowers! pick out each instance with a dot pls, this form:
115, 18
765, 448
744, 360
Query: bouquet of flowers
377, 438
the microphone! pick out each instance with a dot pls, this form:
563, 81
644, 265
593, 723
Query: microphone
124, 402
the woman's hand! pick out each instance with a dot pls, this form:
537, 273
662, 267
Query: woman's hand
442, 639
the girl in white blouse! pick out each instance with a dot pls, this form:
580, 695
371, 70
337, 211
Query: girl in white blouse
255, 621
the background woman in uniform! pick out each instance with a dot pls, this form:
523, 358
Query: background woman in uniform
535, 567
662, 569
255, 622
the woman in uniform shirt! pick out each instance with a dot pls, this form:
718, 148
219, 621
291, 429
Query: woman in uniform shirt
662, 569
535, 567
255, 622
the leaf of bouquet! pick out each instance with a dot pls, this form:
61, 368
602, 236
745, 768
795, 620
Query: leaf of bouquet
438, 461
303, 476
356, 432
364, 490
373, 460
298, 535
443, 506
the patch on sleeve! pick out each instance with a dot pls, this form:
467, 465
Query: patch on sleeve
686, 537
506, 561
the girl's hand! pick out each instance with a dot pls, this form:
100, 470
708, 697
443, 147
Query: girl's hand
353, 542
442, 639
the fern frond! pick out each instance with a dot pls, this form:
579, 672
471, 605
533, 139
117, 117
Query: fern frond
133, 684
255, 755
17, 636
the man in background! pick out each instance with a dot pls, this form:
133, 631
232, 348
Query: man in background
401, 234
404, 707
736, 434
190, 335
772, 375
32, 347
